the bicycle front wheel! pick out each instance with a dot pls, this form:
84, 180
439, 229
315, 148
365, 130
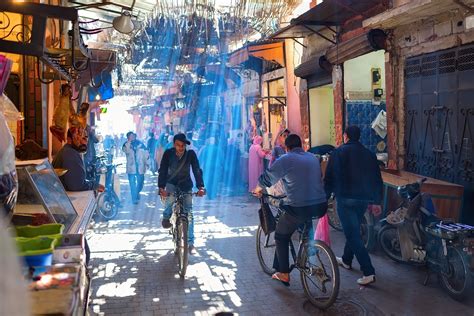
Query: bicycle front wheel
266, 250
182, 245
319, 274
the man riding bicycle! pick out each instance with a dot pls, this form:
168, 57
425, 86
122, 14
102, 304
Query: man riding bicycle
174, 174
305, 198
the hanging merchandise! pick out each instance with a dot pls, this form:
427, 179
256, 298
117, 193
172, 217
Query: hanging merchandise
61, 113
8, 177
104, 91
9, 110
5, 69
379, 125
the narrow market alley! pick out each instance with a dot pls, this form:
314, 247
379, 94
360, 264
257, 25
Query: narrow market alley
134, 269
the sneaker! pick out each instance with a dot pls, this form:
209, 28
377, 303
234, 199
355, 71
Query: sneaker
165, 223
366, 280
342, 264
192, 250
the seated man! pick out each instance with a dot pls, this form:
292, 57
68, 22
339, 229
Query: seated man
305, 197
69, 158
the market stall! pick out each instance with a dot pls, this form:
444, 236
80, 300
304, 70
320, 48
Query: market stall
61, 286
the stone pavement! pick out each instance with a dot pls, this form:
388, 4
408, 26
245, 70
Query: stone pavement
134, 269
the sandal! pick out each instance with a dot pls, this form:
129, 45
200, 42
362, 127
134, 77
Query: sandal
278, 276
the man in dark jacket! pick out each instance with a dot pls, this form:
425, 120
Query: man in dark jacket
69, 158
174, 174
353, 175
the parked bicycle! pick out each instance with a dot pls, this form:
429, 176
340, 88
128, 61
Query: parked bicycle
413, 234
179, 230
314, 259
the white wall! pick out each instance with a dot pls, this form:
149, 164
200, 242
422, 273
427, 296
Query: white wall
357, 75
321, 102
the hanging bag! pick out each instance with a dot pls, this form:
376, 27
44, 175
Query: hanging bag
267, 220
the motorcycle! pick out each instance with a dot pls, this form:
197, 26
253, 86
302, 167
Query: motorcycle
108, 202
413, 234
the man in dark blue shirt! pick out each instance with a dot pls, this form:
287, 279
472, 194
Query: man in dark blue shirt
353, 175
175, 174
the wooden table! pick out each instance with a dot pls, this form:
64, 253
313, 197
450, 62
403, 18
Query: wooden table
446, 196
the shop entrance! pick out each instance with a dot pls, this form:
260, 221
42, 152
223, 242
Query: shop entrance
439, 130
321, 111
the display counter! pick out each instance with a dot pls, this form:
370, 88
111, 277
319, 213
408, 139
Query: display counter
42, 193
42, 199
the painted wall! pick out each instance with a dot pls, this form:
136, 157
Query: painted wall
321, 109
357, 75
293, 100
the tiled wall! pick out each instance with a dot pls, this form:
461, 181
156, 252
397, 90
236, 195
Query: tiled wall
362, 113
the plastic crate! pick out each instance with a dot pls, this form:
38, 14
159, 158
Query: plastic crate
36, 251
49, 230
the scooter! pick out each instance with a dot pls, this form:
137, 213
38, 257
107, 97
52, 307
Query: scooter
413, 234
108, 201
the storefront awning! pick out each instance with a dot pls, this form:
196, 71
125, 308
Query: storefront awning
414, 11
272, 51
357, 46
316, 70
327, 15
34, 44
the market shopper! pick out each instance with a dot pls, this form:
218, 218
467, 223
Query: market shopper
256, 155
137, 160
69, 158
305, 198
353, 175
280, 148
174, 174
152, 145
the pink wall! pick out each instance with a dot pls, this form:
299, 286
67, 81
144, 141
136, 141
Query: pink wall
292, 93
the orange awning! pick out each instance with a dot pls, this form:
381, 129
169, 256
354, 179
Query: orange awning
270, 51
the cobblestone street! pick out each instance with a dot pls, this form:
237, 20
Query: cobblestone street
135, 271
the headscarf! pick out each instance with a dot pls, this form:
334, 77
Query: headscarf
257, 140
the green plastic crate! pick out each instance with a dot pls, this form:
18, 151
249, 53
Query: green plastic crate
35, 246
46, 230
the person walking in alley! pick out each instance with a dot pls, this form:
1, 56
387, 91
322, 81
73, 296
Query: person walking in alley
353, 175
137, 158
174, 174
152, 147
256, 155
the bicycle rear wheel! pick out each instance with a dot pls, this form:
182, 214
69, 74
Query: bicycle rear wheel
182, 245
319, 274
266, 250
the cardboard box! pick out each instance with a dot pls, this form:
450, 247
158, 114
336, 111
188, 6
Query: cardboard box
71, 249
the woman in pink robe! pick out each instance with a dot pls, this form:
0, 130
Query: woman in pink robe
256, 155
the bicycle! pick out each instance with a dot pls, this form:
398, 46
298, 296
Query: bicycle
179, 230
313, 259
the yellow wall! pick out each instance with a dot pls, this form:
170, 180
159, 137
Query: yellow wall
321, 109
357, 76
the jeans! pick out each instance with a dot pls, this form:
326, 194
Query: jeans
287, 224
188, 208
136, 185
350, 214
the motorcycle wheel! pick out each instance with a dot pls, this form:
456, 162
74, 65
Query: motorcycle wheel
455, 276
107, 205
390, 243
